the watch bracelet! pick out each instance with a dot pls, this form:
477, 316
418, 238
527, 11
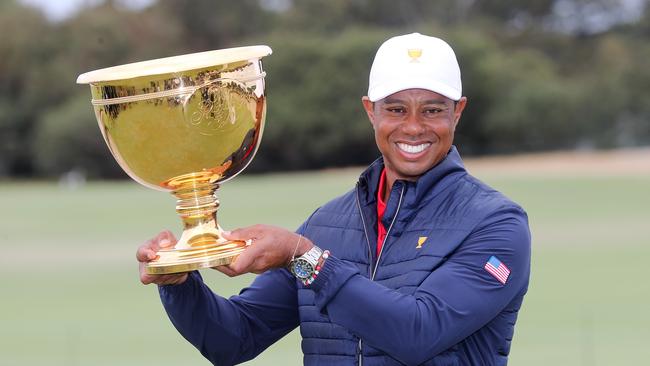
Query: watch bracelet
319, 265
309, 257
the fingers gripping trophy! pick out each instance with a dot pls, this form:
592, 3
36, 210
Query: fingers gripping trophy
185, 124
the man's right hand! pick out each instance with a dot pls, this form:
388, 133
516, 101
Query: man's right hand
147, 252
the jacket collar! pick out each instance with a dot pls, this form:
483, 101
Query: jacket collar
420, 191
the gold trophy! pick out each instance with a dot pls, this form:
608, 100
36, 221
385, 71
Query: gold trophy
185, 124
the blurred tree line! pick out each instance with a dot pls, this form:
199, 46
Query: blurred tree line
539, 75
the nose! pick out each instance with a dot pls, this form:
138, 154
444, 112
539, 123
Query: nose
412, 125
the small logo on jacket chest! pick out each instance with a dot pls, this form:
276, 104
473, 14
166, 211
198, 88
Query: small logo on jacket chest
421, 241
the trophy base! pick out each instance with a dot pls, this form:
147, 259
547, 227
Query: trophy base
185, 260
201, 244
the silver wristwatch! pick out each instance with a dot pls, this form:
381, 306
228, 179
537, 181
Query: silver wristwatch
304, 266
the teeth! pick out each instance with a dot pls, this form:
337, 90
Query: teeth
412, 149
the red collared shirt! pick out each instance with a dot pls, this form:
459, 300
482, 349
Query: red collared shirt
381, 207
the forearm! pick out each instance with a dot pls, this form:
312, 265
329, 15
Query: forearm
400, 325
209, 322
410, 328
229, 331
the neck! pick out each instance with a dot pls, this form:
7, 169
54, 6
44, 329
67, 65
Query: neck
391, 177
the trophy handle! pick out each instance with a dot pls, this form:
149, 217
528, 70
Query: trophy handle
201, 244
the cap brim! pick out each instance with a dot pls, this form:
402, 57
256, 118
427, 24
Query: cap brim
385, 89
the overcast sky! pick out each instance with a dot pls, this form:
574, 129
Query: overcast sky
62, 9
568, 17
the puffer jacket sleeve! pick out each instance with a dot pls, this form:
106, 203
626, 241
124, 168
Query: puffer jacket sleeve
231, 331
453, 302
234, 330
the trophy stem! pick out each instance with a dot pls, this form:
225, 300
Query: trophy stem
201, 244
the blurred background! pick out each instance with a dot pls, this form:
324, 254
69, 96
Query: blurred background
558, 119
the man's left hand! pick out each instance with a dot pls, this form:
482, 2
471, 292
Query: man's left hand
271, 247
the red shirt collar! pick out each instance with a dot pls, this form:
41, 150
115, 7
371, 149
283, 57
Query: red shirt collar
381, 205
381, 208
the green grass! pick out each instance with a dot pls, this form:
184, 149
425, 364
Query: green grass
70, 294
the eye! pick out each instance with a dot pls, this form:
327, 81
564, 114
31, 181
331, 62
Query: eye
433, 111
396, 109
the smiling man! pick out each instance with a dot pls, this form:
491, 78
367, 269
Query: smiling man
419, 264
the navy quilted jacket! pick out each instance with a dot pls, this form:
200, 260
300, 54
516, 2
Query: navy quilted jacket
427, 299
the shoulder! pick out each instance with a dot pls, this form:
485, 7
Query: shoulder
488, 219
340, 207
335, 225
336, 213
500, 227
491, 208
474, 199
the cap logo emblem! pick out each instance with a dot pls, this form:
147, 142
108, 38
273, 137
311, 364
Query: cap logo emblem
414, 54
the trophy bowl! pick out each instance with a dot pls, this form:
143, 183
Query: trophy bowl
185, 124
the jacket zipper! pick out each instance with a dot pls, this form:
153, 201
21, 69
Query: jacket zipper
359, 353
365, 231
383, 244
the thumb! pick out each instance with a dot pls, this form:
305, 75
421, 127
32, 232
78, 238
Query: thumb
166, 239
242, 234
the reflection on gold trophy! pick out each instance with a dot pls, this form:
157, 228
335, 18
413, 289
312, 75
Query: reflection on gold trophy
185, 124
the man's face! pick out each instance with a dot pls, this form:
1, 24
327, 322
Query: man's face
414, 130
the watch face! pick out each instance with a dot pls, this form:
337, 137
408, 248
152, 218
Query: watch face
302, 269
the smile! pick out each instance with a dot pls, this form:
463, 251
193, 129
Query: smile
413, 149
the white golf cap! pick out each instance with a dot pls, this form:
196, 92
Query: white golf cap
414, 61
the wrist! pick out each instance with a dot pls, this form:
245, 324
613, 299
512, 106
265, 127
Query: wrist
319, 267
307, 266
304, 246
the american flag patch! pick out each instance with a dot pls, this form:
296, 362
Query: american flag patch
497, 269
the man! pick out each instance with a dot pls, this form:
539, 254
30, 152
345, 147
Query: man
419, 264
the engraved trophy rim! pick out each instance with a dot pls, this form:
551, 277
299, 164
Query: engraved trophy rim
174, 64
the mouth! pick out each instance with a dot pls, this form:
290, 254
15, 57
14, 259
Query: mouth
412, 149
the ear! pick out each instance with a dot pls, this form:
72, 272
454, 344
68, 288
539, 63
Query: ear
458, 111
369, 108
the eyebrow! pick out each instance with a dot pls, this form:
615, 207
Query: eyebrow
429, 101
